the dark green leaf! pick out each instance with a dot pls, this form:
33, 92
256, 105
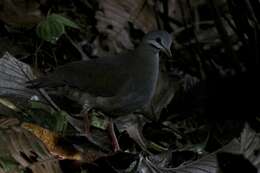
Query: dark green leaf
50, 30
63, 20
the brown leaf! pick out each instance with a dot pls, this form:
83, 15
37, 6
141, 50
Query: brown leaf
62, 150
7, 122
115, 15
51, 139
20, 150
20, 13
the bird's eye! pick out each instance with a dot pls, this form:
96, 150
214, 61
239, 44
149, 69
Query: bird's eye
158, 40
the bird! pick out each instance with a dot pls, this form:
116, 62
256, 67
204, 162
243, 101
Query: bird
116, 84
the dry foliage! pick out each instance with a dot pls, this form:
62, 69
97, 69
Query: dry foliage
21, 150
114, 17
20, 13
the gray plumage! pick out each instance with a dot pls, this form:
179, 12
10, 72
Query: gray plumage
115, 84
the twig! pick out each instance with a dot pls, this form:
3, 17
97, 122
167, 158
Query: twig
79, 49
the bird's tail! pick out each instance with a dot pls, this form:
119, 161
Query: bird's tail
42, 82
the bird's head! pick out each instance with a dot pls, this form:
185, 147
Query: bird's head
160, 40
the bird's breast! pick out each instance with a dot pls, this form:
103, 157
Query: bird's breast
145, 77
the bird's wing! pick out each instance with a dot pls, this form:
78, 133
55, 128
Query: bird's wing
100, 77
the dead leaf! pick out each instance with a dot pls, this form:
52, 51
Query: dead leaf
248, 146
63, 151
51, 139
114, 17
20, 150
13, 76
20, 13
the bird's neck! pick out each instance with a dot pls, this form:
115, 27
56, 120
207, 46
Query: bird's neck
147, 62
148, 48
149, 55
147, 59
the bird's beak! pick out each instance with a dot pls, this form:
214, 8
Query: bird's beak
167, 51
164, 49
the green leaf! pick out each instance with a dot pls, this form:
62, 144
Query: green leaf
48, 117
8, 165
61, 123
63, 20
44, 107
50, 30
98, 121
53, 27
